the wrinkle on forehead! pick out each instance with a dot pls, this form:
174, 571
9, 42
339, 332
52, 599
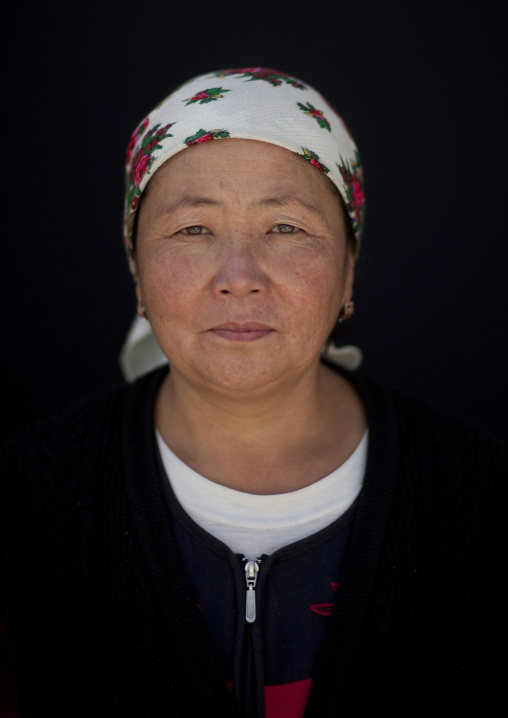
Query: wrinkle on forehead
193, 201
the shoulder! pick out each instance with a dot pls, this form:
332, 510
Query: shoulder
63, 482
413, 415
447, 467
77, 433
433, 452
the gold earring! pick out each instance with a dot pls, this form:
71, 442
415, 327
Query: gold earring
347, 310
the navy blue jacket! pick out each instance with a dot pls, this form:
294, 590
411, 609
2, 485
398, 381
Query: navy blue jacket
95, 593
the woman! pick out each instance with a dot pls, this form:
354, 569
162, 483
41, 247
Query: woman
253, 532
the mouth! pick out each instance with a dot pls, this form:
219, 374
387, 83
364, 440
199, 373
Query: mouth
242, 331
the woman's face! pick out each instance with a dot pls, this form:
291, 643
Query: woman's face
242, 264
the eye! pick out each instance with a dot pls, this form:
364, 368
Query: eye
284, 229
195, 229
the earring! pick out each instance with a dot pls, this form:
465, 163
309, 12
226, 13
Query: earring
142, 311
347, 311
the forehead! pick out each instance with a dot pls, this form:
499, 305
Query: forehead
238, 165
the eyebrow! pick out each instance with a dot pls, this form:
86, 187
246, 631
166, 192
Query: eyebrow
286, 199
199, 201
189, 201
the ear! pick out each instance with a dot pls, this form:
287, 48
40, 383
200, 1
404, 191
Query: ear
139, 299
349, 278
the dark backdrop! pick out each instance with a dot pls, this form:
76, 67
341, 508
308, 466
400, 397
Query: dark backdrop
421, 87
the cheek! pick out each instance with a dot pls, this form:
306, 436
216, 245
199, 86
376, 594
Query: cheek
171, 284
313, 284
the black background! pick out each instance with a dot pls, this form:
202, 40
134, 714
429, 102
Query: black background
420, 85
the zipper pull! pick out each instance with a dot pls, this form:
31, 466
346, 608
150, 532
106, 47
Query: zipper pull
251, 577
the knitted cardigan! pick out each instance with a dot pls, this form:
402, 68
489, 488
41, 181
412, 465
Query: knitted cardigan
93, 591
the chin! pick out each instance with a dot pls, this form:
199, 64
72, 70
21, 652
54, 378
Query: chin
241, 375
256, 376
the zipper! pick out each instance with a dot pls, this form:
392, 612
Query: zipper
251, 577
249, 702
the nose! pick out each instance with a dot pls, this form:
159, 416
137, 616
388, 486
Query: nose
239, 271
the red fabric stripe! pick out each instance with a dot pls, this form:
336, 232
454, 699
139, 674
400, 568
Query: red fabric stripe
288, 700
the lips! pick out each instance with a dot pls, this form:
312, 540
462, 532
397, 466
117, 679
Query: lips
243, 326
241, 331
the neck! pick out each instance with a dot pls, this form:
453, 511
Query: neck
272, 442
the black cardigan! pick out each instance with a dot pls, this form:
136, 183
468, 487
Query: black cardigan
94, 593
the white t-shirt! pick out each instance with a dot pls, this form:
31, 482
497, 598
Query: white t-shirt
253, 524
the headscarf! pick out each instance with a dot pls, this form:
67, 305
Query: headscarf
251, 103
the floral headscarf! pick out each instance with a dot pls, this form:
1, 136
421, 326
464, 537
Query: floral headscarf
250, 103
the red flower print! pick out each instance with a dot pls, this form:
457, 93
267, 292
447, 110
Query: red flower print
358, 195
346, 175
139, 166
141, 163
130, 147
137, 158
211, 94
204, 136
143, 157
263, 73
317, 164
134, 138
313, 158
352, 176
316, 114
